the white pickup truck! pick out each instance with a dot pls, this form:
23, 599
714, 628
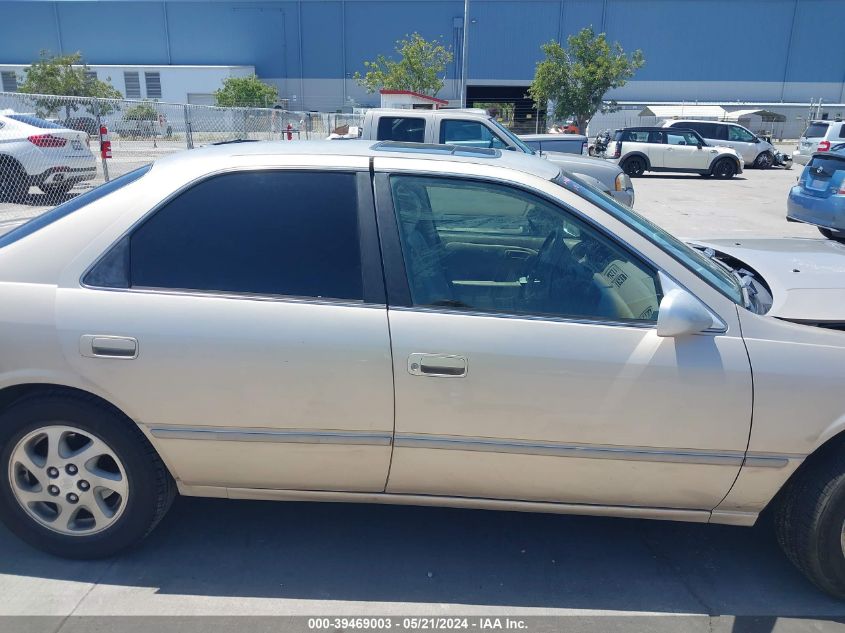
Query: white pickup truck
476, 128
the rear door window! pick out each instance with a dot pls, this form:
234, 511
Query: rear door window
262, 232
469, 134
405, 129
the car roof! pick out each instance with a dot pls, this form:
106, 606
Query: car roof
368, 149
650, 129
552, 137
407, 112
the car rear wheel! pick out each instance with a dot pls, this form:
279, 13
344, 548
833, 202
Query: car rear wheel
57, 192
78, 479
810, 521
832, 235
634, 166
14, 183
764, 160
724, 169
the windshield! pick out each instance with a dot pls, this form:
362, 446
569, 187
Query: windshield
707, 269
57, 213
513, 137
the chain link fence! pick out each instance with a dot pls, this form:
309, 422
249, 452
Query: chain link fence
51, 147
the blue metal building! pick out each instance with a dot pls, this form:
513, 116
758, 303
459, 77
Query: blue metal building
704, 50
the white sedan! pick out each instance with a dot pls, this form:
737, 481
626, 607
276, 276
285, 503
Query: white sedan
35, 152
406, 323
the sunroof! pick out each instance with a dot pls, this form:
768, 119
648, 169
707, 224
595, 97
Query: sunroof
431, 148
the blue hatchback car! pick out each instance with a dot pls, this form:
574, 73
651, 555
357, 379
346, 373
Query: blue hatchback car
819, 196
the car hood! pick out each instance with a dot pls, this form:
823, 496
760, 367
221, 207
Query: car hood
806, 276
595, 167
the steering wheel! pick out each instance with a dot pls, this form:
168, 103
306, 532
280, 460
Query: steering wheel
557, 274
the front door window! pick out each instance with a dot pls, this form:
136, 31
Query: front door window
486, 247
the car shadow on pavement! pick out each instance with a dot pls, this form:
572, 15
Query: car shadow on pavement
350, 552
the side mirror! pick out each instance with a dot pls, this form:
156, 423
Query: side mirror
681, 313
700, 145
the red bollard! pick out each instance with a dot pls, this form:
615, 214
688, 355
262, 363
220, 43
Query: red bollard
290, 132
105, 143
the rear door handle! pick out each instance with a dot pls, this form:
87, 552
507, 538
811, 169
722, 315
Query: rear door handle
105, 346
437, 365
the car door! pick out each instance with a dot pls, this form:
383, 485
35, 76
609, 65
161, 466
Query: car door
682, 151
743, 141
552, 385
242, 324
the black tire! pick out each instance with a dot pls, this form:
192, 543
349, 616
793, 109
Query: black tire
809, 518
832, 235
14, 183
56, 193
764, 161
724, 169
634, 166
151, 488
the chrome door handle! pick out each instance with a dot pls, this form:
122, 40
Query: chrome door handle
105, 346
438, 365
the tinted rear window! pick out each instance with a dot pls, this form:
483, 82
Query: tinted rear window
816, 130
34, 121
57, 213
829, 165
407, 129
265, 232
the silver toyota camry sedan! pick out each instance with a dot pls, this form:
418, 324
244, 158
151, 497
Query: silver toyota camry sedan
415, 324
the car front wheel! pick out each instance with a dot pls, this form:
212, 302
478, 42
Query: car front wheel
810, 521
724, 169
764, 160
78, 479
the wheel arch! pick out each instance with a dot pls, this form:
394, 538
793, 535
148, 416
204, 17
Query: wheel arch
726, 155
833, 443
12, 394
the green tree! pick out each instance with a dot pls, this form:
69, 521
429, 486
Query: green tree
246, 92
68, 76
577, 78
420, 68
144, 111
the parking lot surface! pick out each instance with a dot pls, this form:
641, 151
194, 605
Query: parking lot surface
215, 557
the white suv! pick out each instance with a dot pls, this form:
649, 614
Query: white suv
35, 152
642, 149
754, 150
818, 137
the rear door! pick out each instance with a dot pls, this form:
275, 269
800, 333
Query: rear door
243, 325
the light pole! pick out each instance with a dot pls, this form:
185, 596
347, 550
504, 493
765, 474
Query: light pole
464, 51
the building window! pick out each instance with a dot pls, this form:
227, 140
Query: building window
133, 85
153, 81
10, 81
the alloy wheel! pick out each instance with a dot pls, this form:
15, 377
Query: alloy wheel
68, 480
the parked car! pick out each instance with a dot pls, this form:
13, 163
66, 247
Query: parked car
563, 143
179, 329
755, 151
35, 152
85, 124
819, 196
474, 127
642, 149
818, 137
